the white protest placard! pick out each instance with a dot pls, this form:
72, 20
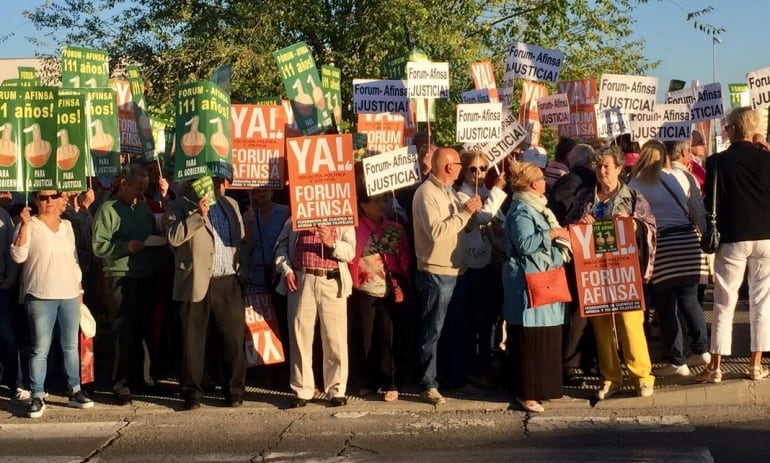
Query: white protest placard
391, 171
705, 102
759, 87
425, 79
531, 62
380, 96
479, 95
479, 122
630, 94
668, 122
513, 135
611, 122
553, 109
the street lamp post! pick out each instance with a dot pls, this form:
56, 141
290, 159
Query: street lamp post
715, 130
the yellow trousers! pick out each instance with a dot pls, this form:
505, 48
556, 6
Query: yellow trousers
630, 331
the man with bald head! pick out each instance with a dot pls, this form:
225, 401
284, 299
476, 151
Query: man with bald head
439, 222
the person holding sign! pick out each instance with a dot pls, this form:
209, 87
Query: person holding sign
612, 198
50, 281
534, 333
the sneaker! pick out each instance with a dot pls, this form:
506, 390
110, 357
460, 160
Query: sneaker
607, 391
696, 360
673, 370
757, 372
646, 390
710, 376
23, 396
432, 396
36, 408
80, 400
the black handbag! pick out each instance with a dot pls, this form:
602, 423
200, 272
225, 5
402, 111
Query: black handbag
709, 241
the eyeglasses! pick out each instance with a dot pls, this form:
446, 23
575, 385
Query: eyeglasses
43, 198
476, 169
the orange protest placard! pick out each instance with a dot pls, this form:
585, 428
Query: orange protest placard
528, 116
322, 181
581, 95
607, 267
263, 343
483, 75
258, 146
129, 132
384, 132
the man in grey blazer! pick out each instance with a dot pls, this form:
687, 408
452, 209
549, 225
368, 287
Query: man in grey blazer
207, 240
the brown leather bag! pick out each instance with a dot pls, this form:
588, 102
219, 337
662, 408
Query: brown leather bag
547, 287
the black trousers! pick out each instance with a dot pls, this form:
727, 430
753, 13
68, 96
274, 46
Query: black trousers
375, 317
222, 308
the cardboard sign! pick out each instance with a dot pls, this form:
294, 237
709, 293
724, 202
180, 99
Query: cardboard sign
258, 146
395, 69
480, 95
11, 146
263, 342
739, 95
391, 171
322, 181
103, 130
483, 74
144, 125
630, 94
28, 76
330, 83
427, 80
553, 109
669, 122
582, 97
611, 122
384, 132
531, 62
380, 96
704, 103
130, 143
606, 258
84, 68
759, 87
479, 122
39, 129
513, 135
72, 148
528, 116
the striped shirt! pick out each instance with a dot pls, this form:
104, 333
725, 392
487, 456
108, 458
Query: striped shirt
309, 249
224, 251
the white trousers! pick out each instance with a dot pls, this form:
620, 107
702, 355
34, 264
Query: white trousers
316, 298
731, 262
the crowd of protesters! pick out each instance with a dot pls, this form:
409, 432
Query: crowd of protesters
429, 289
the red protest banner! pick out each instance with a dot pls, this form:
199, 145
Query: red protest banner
384, 132
582, 96
528, 116
258, 146
263, 343
607, 267
483, 75
322, 181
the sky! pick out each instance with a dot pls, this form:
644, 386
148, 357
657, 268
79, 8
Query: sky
684, 52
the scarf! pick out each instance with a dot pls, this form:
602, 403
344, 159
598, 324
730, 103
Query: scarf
540, 204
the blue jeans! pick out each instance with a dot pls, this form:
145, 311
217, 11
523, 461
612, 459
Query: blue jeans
436, 293
669, 303
42, 315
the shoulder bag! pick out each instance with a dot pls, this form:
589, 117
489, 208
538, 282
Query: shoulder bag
709, 242
547, 287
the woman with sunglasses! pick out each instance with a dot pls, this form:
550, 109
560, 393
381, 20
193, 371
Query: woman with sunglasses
51, 285
483, 240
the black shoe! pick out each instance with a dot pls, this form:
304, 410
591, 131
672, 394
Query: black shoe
191, 404
338, 401
122, 399
36, 408
296, 402
235, 403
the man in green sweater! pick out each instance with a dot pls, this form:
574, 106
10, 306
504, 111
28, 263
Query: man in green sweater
121, 226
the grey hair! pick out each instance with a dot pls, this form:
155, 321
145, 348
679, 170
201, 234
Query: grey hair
580, 156
675, 149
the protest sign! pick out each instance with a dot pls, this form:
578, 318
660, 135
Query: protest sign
72, 149
384, 132
303, 87
263, 341
395, 69
630, 94
129, 131
391, 171
146, 134
203, 148
380, 96
37, 114
330, 83
667, 122
258, 146
483, 75
103, 130
704, 102
582, 99
739, 95
425, 79
611, 122
513, 135
531, 62
607, 270
528, 117
11, 104
322, 181
480, 95
28, 77
479, 122
759, 87
553, 109
84, 68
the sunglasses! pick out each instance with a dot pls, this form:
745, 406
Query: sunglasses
474, 169
43, 198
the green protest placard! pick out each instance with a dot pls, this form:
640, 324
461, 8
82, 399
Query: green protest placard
103, 130
72, 149
330, 82
37, 114
143, 123
10, 139
28, 76
203, 132
303, 87
84, 68
11, 83
739, 95
395, 69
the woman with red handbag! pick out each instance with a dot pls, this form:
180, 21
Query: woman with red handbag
534, 326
